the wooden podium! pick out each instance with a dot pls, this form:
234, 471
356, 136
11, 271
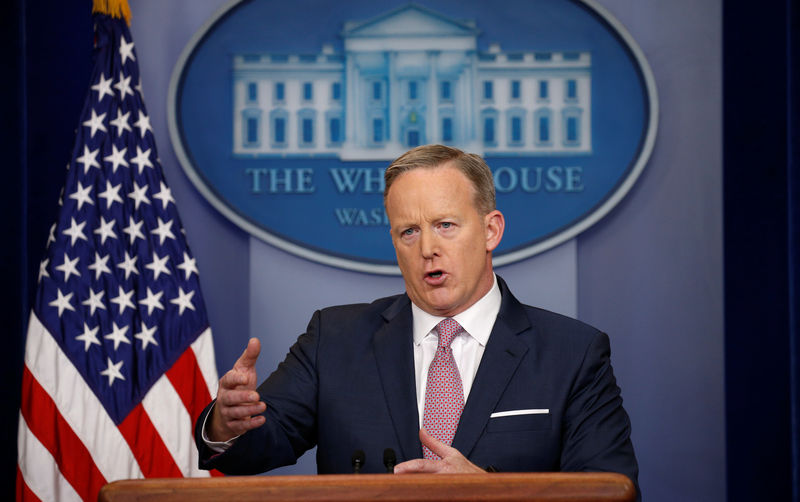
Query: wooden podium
508, 487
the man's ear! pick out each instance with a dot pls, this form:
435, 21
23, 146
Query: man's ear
495, 224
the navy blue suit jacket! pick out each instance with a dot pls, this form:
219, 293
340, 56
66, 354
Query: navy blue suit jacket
348, 384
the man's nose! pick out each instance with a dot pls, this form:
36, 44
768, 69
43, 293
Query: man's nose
428, 244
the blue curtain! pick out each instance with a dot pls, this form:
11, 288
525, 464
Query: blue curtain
793, 61
762, 247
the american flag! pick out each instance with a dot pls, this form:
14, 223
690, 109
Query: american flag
119, 358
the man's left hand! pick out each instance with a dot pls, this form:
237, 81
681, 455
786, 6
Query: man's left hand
452, 462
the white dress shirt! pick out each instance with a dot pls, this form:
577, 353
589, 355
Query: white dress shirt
468, 346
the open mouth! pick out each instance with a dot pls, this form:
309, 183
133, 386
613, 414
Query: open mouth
435, 274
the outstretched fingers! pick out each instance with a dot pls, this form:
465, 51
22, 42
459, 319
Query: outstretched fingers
435, 445
238, 407
452, 461
247, 361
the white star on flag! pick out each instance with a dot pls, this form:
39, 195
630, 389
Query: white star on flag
103, 87
123, 300
81, 195
88, 337
165, 196
62, 302
69, 267
129, 265
95, 301
95, 123
117, 158
138, 195
111, 194
143, 124
126, 51
112, 372
117, 335
123, 85
88, 159
52, 236
100, 265
152, 301
75, 231
134, 229
146, 335
164, 230
183, 300
121, 123
105, 230
188, 266
142, 159
43, 269
158, 265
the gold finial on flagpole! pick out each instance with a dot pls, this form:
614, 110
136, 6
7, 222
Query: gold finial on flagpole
114, 8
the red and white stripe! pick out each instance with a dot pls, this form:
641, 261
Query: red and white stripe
69, 447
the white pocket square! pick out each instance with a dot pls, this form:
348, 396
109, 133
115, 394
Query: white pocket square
511, 413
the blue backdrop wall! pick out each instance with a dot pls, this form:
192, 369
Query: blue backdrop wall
684, 322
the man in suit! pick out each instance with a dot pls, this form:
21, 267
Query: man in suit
455, 375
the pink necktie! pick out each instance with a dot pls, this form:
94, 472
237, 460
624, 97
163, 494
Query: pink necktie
444, 395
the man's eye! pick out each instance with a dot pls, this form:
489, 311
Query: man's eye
408, 231
446, 224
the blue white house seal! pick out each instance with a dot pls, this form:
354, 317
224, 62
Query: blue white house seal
285, 121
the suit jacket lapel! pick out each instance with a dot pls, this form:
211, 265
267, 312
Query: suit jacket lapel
395, 358
503, 353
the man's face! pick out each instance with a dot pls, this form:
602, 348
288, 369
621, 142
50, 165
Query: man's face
443, 243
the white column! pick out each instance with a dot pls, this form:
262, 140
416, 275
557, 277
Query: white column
463, 106
353, 117
432, 119
392, 94
472, 96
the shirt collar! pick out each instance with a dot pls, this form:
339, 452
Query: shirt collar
477, 321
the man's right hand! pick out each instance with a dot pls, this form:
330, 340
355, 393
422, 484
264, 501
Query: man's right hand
238, 408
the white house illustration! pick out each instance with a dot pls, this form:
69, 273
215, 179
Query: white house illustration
409, 77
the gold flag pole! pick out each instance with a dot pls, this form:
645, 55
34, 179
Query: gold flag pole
114, 8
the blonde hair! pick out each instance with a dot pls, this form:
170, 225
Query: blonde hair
432, 156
